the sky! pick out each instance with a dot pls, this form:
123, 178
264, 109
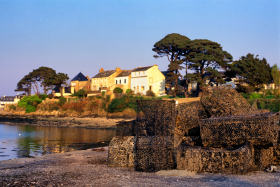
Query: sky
72, 36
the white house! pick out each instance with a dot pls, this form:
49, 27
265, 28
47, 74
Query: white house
148, 78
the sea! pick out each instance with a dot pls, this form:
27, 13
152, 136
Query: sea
17, 141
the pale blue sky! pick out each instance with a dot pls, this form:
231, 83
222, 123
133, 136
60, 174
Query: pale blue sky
81, 35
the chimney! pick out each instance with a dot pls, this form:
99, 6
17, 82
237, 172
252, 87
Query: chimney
118, 70
88, 77
101, 70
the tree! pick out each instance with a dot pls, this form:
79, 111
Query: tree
57, 80
80, 93
205, 57
41, 74
174, 47
251, 70
275, 75
25, 84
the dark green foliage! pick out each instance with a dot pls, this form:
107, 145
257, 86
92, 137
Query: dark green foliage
62, 100
43, 96
150, 93
119, 104
252, 70
34, 78
25, 84
174, 47
205, 58
80, 93
30, 102
273, 105
57, 80
41, 74
244, 89
118, 90
129, 91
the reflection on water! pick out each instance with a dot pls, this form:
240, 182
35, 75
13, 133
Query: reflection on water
28, 141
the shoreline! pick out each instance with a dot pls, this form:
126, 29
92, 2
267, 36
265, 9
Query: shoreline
53, 121
89, 168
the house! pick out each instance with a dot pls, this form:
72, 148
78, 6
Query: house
105, 80
66, 91
9, 100
123, 80
80, 82
148, 78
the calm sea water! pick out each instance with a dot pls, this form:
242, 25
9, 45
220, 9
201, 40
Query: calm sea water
18, 141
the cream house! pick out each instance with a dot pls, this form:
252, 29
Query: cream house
148, 78
80, 82
123, 80
9, 100
105, 80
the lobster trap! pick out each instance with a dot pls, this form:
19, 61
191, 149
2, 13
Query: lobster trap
122, 152
260, 129
198, 159
225, 101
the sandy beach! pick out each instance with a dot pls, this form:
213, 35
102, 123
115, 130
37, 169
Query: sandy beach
82, 122
89, 168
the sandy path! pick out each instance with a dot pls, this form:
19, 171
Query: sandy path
88, 168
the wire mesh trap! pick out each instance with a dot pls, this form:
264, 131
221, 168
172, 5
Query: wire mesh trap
122, 152
261, 129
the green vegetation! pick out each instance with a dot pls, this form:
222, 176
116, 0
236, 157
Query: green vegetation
120, 104
129, 91
118, 90
30, 103
174, 47
80, 93
150, 93
253, 71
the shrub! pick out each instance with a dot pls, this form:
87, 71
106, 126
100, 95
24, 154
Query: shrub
30, 108
118, 90
33, 98
80, 93
43, 96
30, 103
150, 93
62, 100
244, 89
129, 91
256, 96
103, 93
12, 107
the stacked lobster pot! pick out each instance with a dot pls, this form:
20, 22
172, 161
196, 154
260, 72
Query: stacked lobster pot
221, 133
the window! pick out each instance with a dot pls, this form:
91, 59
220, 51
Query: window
116, 81
124, 80
143, 73
142, 88
120, 81
150, 87
150, 80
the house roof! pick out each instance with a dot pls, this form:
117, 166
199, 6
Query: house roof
79, 77
165, 73
8, 99
104, 74
142, 68
125, 73
67, 89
